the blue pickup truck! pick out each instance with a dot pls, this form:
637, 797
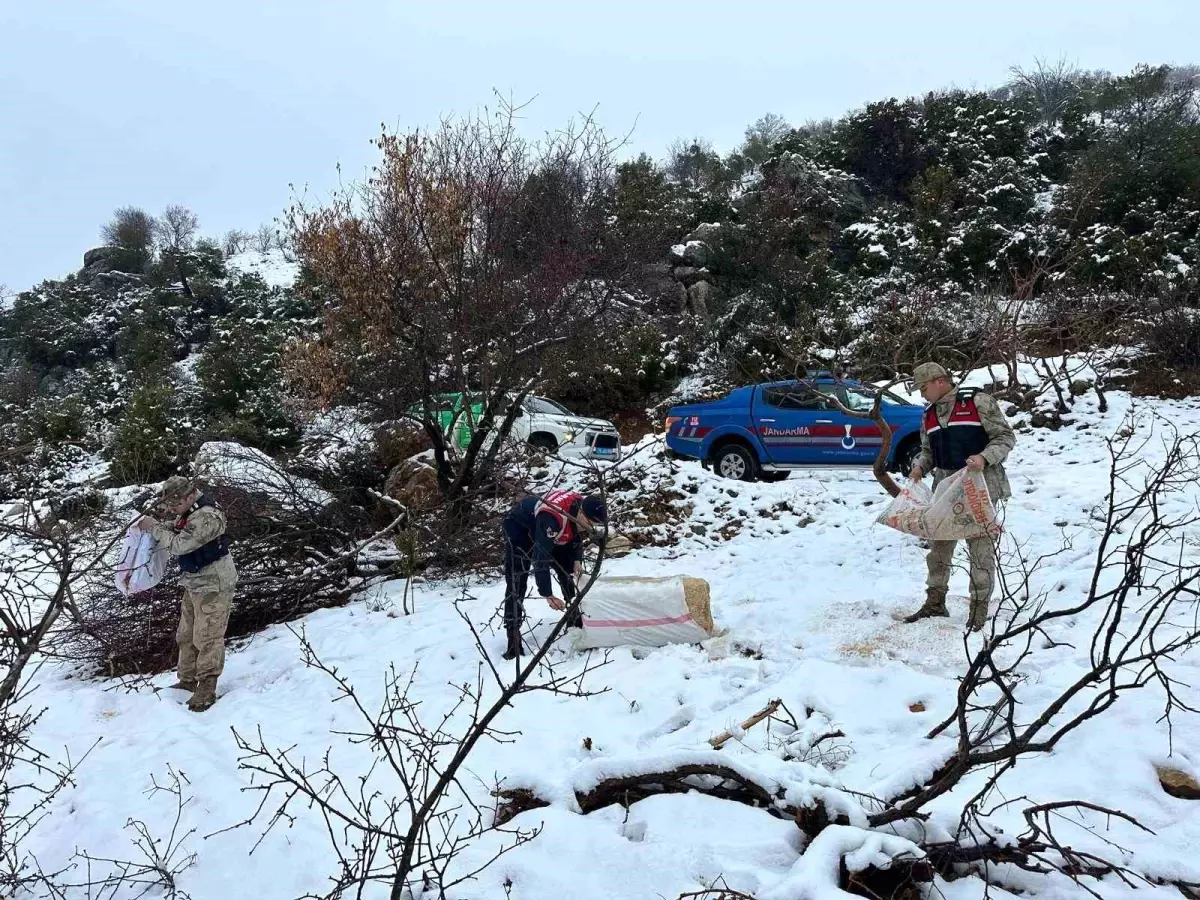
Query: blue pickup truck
766, 430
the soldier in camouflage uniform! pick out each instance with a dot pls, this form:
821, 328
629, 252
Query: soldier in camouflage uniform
197, 539
961, 428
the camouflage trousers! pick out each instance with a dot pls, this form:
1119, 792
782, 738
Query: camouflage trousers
981, 553
201, 634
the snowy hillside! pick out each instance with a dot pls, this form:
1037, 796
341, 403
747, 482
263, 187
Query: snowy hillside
276, 267
808, 589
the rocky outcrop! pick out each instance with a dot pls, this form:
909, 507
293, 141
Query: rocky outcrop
690, 270
99, 259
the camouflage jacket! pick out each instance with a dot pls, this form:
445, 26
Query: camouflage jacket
203, 525
1001, 440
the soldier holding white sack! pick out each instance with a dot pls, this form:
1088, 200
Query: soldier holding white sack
962, 428
197, 539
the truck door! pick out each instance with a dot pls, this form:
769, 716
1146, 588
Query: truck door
784, 419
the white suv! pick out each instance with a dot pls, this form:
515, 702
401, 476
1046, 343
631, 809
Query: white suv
544, 424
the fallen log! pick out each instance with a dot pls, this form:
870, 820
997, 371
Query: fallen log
514, 802
728, 784
904, 879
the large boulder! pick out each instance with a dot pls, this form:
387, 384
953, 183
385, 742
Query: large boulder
700, 296
706, 232
696, 253
400, 441
100, 258
414, 484
689, 275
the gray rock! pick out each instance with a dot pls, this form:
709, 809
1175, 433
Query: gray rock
689, 275
700, 295
681, 297
112, 280
696, 253
99, 255
656, 278
707, 232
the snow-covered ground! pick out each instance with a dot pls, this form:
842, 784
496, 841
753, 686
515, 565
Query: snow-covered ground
807, 587
276, 267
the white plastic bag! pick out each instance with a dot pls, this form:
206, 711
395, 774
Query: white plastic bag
960, 509
142, 564
646, 612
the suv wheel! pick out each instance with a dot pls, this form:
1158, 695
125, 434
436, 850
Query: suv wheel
735, 461
906, 456
543, 442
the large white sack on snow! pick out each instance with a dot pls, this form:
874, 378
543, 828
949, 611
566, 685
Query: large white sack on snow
961, 508
648, 612
142, 563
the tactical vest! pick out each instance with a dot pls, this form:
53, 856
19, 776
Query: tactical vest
963, 434
559, 505
206, 554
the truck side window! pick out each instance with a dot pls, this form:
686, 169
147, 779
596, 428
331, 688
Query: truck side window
797, 398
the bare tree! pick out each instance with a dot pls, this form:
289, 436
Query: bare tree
176, 228
266, 238
468, 267
693, 162
762, 136
1141, 592
160, 860
176, 231
236, 241
1051, 86
30, 781
43, 567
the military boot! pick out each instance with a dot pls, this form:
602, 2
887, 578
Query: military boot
935, 605
979, 615
183, 684
205, 695
515, 648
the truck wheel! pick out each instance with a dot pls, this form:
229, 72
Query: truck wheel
735, 461
543, 442
906, 455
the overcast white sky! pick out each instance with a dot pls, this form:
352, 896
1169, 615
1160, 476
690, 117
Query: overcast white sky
221, 104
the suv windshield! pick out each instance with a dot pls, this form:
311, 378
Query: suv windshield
862, 399
544, 407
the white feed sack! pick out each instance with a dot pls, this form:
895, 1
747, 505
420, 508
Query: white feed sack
142, 563
647, 612
961, 508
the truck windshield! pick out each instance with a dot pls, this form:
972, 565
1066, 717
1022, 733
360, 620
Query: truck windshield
544, 407
863, 399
